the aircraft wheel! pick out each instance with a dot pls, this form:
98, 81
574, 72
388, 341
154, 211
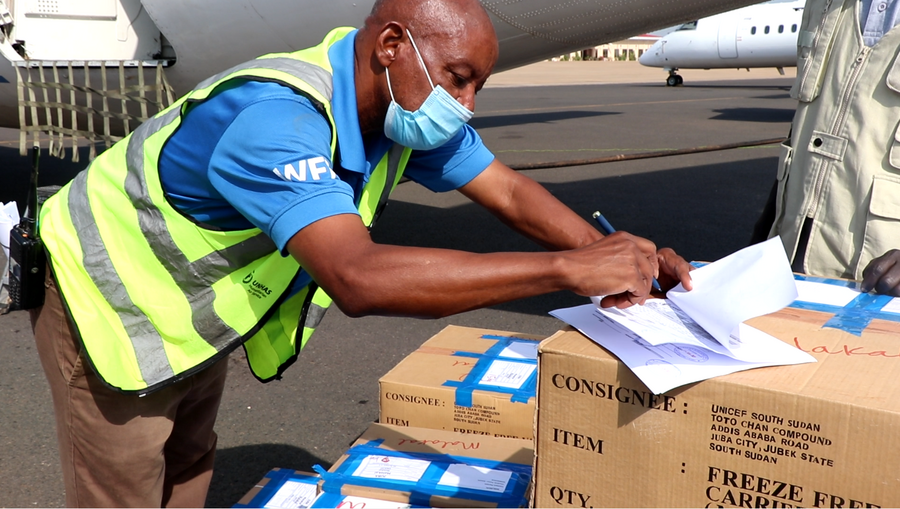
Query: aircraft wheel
672, 80
679, 80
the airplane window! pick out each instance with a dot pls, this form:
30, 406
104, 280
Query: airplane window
752, 30
793, 28
690, 25
766, 30
780, 29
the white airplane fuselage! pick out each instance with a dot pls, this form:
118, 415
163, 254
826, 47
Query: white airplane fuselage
199, 38
762, 35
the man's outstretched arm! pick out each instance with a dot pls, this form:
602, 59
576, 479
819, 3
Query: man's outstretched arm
530, 209
365, 278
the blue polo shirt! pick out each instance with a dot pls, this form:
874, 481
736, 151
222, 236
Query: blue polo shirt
259, 154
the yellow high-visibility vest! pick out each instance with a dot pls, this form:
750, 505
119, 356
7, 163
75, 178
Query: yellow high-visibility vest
156, 297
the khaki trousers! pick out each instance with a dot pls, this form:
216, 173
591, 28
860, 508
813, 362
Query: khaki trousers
121, 450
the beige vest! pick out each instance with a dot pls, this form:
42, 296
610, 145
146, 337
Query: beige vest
841, 167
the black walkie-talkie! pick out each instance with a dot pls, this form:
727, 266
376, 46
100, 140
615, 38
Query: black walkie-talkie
27, 261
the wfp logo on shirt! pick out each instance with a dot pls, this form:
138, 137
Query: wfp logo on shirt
308, 169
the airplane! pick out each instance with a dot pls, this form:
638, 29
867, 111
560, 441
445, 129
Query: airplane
75, 56
763, 35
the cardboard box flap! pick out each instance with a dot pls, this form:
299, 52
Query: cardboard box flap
854, 369
429, 441
452, 336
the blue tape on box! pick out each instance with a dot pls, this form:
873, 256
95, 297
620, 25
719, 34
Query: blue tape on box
276, 479
473, 380
853, 317
427, 486
856, 315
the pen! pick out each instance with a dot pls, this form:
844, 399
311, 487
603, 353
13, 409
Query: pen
608, 230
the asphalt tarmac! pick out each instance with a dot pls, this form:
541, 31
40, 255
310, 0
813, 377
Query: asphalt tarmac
703, 205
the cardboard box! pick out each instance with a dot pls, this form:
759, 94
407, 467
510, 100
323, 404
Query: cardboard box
811, 435
283, 488
433, 468
477, 381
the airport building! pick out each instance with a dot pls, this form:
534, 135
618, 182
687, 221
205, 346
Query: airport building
628, 49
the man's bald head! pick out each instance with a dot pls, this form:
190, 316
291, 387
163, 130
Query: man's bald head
456, 41
429, 18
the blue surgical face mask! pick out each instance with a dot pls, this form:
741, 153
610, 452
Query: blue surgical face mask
437, 120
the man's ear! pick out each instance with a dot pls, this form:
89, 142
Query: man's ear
387, 44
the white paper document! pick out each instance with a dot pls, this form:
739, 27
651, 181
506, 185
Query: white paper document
824, 293
389, 467
893, 306
700, 334
814, 292
9, 217
511, 375
521, 350
476, 478
292, 495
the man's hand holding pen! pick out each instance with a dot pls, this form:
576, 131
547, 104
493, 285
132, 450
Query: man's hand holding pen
649, 269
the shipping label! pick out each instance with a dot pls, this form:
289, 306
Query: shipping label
769, 438
476, 478
389, 467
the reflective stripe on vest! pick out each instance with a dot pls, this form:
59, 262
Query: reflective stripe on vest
201, 280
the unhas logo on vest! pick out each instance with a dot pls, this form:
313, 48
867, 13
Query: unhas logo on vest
255, 287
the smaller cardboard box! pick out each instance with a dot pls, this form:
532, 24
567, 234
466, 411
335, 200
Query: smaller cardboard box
283, 488
477, 381
433, 468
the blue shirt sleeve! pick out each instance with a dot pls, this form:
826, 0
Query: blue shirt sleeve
453, 164
273, 164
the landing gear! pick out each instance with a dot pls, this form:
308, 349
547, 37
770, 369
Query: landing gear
674, 79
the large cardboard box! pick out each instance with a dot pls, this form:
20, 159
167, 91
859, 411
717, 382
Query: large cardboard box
824, 434
467, 380
433, 468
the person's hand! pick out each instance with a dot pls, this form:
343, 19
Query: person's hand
619, 266
673, 269
883, 274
